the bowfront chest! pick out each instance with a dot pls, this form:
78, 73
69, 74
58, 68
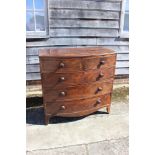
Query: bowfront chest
76, 81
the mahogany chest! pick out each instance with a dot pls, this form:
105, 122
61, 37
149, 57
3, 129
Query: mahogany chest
76, 81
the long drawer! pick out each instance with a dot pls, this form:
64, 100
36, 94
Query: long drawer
79, 91
75, 107
63, 65
59, 80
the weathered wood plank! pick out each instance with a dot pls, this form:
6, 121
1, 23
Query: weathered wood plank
63, 42
122, 56
72, 42
60, 23
32, 51
103, 41
90, 5
83, 32
82, 14
33, 76
32, 59
121, 52
120, 64
121, 71
32, 68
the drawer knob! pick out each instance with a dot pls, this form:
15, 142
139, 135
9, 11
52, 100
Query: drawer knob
99, 88
62, 78
102, 62
62, 93
101, 74
63, 107
98, 101
62, 65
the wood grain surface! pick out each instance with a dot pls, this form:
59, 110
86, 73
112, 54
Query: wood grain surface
76, 81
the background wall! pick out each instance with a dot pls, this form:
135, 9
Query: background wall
76, 23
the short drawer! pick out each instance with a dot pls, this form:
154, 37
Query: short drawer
60, 65
99, 74
79, 91
58, 80
99, 62
75, 106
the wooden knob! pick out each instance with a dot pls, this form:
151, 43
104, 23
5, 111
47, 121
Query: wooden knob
98, 101
62, 78
63, 107
99, 88
102, 62
101, 74
62, 65
62, 93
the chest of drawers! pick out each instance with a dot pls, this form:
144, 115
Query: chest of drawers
76, 81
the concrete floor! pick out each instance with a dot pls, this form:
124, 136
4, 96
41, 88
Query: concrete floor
96, 134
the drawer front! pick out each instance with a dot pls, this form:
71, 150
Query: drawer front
59, 80
99, 62
76, 64
75, 106
99, 74
79, 91
60, 65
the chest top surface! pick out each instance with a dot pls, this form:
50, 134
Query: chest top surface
75, 52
